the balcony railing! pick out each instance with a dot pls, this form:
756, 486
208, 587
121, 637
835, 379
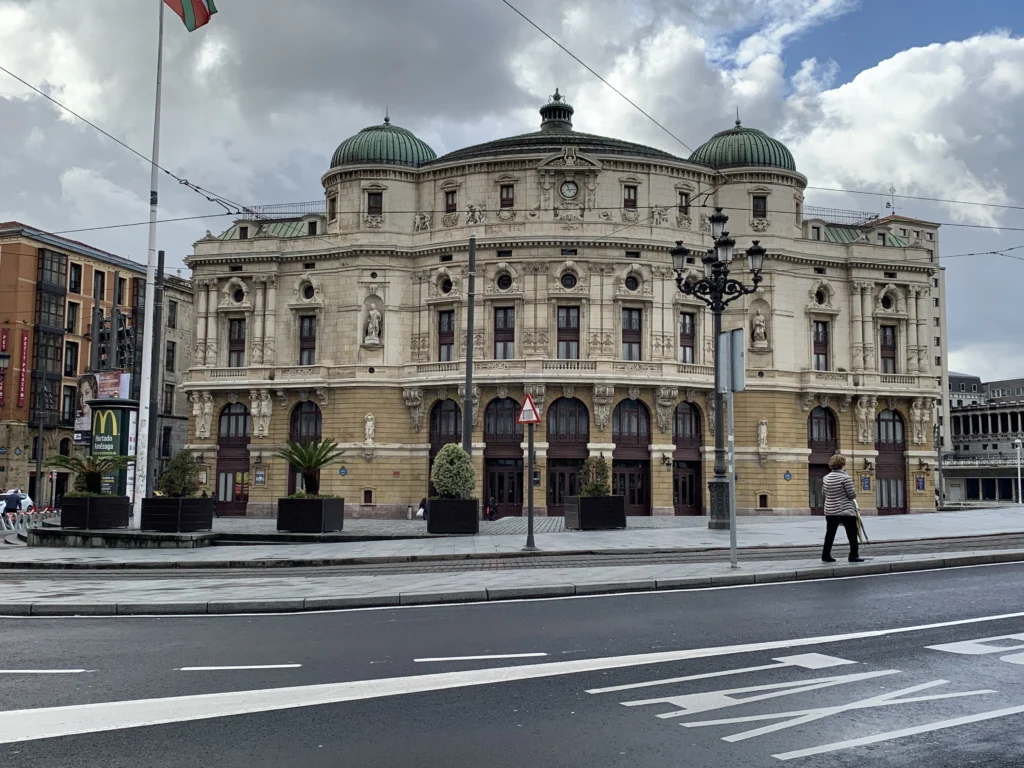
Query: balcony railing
569, 365
979, 461
688, 369
895, 378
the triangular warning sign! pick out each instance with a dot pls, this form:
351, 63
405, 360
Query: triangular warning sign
529, 414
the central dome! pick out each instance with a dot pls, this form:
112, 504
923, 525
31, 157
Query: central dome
383, 144
741, 147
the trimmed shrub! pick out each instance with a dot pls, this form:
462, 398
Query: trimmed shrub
594, 477
181, 478
453, 474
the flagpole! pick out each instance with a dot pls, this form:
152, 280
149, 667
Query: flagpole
145, 389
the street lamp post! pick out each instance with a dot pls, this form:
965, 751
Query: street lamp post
717, 290
1017, 444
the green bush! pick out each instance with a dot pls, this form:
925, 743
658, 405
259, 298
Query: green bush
594, 477
453, 473
181, 478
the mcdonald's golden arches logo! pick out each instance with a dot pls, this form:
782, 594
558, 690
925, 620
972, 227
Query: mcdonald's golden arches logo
100, 420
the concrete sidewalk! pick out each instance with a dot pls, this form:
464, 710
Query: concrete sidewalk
751, 532
59, 595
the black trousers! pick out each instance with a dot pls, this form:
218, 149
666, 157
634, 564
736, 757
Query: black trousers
832, 523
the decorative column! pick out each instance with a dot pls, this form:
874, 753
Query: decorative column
869, 333
270, 314
923, 358
912, 343
211, 324
260, 283
199, 357
858, 328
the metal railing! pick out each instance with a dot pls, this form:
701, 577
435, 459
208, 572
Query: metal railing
838, 215
12, 522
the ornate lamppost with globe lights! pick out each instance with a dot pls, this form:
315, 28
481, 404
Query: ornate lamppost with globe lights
717, 290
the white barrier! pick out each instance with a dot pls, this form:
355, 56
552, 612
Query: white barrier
21, 521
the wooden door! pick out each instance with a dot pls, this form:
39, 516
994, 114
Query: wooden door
686, 489
232, 488
563, 480
630, 481
505, 486
816, 474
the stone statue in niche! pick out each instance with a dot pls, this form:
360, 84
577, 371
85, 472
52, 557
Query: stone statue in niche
203, 425
762, 434
759, 331
863, 412
373, 319
370, 428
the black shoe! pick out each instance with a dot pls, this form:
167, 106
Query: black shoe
828, 559
857, 560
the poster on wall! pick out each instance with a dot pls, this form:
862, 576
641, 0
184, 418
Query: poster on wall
3, 348
97, 386
24, 369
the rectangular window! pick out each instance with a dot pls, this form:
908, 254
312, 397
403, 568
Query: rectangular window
930, 236
75, 278
172, 315
99, 285
887, 346
49, 351
935, 302
307, 340
446, 335
53, 269
508, 196
169, 353
451, 203
504, 255
629, 197
963, 387
632, 254
311, 228
50, 310
821, 345
938, 362
71, 359
760, 206
917, 234
815, 233
936, 322
68, 405
72, 317
122, 289
684, 203
504, 333
686, 336
631, 334
167, 404
236, 343
332, 208
568, 333
938, 341
375, 203
165, 443
243, 233
880, 238
931, 254
903, 231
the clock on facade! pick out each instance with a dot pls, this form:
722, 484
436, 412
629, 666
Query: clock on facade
569, 189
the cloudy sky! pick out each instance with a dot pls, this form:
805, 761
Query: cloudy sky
923, 95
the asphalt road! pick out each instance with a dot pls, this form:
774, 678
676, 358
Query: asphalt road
788, 674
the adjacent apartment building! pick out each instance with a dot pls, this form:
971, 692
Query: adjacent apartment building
49, 286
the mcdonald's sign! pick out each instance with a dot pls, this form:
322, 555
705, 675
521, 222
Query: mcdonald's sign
101, 420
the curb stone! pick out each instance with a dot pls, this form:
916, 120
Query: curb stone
228, 607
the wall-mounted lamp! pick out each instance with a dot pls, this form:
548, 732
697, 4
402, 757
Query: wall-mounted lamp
666, 460
923, 465
868, 464
259, 458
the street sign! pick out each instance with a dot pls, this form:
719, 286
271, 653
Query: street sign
529, 413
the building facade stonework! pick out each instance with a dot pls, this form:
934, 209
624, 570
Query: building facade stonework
318, 320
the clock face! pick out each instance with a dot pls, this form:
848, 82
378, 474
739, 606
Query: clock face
569, 189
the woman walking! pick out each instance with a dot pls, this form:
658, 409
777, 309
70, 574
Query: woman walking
840, 509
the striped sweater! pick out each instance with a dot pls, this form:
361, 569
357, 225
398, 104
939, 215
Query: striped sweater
839, 494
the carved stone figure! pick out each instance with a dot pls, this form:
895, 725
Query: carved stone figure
373, 318
762, 434
603, 396
709, 398
863, 411
262, 408
759, 330
414, 402
197, 411
370, 428
659, 215
538, 392
664, 405
205, 417
917, 421
422, 222
475, 214
475, 400
373, 221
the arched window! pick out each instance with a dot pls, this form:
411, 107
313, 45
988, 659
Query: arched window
889, 430
631, 423
445, 422
65, 447
306, 423
821, 430
500, 422
568, 421
235, 422
686, 427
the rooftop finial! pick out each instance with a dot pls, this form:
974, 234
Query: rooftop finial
737, 116
557, 96
387, 115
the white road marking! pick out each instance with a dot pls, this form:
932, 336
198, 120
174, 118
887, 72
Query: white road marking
44, 671
483, 658
983, 646
804, 660
253, 666
31, 724
901, 733
1013, 658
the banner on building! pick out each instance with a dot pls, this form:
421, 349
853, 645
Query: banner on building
24, 369
3, 348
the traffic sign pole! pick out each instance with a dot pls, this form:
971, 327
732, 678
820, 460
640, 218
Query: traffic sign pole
529, 416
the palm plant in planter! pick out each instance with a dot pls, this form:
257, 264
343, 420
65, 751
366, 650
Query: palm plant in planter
308, 511
595, 508
176, 509
91, 508
454, 510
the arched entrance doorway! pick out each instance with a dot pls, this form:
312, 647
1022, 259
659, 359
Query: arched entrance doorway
445, 427
822, 440
687, 492
891, 473
306, 426
234, 430
568, 432
503, 457
631, 459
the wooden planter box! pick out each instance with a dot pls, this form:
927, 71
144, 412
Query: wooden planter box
95, 513
453, 516
310, 515
170, 515
595, 513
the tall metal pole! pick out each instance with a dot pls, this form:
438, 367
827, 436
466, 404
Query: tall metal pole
142, 446
158, 305
1019, 500
732, 484
719, 484
467, 399
44, 401
95, 328
531, 545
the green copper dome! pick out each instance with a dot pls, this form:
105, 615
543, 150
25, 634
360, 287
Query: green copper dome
742, 147
384, 144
